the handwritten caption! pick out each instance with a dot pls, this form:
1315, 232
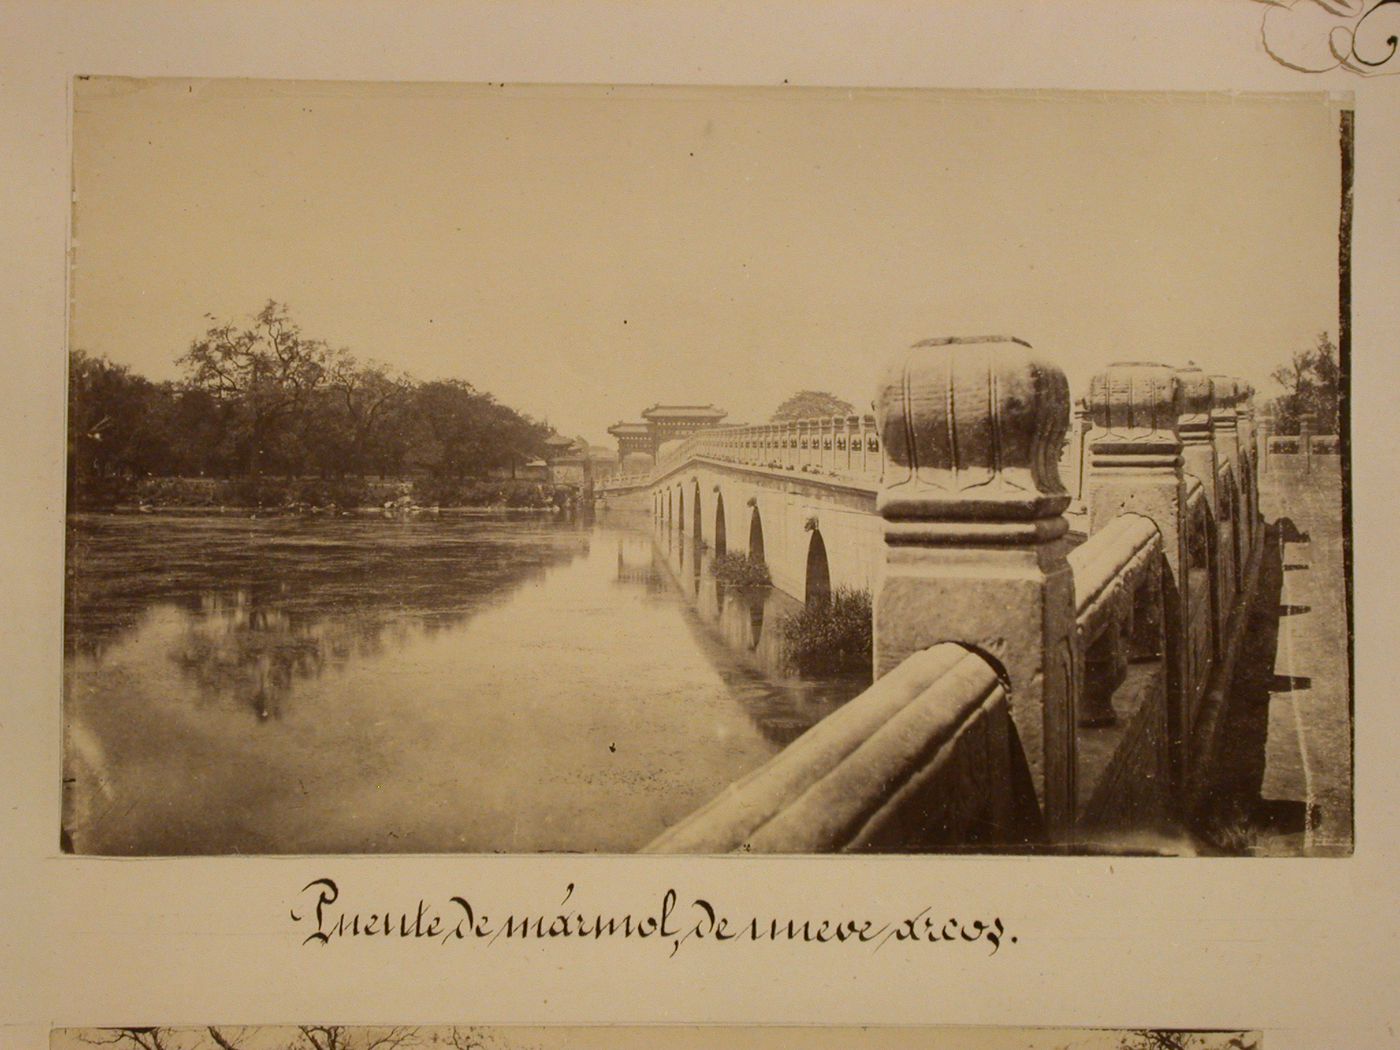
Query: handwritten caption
668, 921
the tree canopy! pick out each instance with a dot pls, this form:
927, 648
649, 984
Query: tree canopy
806, 404
1312, 382
264, 397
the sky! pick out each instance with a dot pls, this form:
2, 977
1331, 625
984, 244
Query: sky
584, 252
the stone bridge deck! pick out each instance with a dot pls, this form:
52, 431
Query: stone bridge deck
1287, 787
1127, 677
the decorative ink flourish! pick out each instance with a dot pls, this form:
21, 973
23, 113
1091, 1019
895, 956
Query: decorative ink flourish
1317, 36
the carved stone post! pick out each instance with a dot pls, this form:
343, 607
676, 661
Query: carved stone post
1079, 429
1135, 466
873, 455
1266, 432
973, 514
1196, 431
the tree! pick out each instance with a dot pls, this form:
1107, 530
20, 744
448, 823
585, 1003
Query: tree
1157, 1039
465, 431
339, 1037
368, 396
139, 1038
268, 373
456, 426
807, 404
1312, 382
165, 1038
111, 413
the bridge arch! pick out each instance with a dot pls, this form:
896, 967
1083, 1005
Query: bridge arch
817, 590
720, 539
756, 536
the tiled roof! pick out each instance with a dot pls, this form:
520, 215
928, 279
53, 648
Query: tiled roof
684, 412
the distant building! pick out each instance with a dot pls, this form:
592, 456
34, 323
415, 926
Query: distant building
662, 423
534, 470
632, 438
570, 461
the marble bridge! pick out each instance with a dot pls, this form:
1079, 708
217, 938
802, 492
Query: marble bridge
1058, 598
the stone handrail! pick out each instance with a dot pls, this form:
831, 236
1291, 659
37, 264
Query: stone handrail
844, 447
1108, 570
886, 772
1106, 654
835, 446
679, 453
624, 481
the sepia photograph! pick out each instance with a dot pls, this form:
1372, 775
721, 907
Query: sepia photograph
621, 1037
497, 468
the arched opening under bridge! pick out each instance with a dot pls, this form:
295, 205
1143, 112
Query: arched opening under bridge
818, 588
756, 537
720, 541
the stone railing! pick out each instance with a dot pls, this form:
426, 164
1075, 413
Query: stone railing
837, 447
617, 482
1104, 654
833, 446
1120, 656
677, 453
921, 760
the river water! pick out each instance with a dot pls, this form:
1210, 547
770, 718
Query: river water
464, 683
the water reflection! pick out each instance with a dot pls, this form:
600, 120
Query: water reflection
251, 653
455, 684
740, 629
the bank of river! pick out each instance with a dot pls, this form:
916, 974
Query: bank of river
469, 682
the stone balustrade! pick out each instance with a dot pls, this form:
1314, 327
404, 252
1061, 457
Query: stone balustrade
839, 447
1104, 642
921, 760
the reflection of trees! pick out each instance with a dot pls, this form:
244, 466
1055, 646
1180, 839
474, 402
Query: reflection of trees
254, 651
269, 604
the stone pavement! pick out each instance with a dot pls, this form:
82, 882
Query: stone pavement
1308, 746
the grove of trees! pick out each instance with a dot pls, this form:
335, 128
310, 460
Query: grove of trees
264, 398
1312, 382
805, 404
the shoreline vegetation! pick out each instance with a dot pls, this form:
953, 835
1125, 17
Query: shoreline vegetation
267, 417
738, 569
317, 496
832, 635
